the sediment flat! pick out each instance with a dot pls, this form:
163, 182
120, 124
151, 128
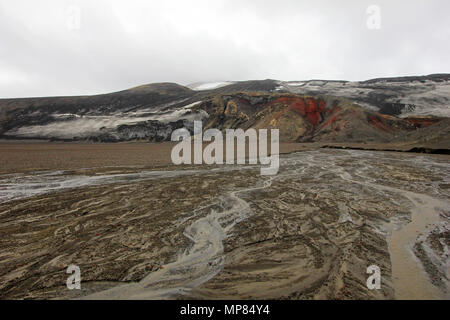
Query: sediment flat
141, 228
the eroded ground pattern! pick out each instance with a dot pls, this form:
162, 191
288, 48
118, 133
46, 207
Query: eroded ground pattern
309, 232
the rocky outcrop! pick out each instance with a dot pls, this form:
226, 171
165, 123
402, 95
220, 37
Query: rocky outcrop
304, 118
152, 130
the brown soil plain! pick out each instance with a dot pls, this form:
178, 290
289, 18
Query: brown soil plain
141, 228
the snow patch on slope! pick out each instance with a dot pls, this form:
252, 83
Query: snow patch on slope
429, 97
209, 85
88, 125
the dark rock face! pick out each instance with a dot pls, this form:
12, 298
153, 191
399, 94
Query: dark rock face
152, 130
395, 109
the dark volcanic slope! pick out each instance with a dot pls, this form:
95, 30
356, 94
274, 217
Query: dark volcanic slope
404, 96
267, 85
35, 117
314, 110
142, 96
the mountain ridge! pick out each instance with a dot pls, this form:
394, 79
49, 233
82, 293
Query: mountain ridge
375, 110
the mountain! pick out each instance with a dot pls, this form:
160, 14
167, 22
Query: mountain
379, 110
90, 117
401, 96
303, 118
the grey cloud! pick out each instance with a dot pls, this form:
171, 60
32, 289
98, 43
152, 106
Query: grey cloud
121, 44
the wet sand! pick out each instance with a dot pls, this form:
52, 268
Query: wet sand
146, 232
410, 279
20, 157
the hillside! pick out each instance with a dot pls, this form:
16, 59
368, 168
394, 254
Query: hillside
375, 111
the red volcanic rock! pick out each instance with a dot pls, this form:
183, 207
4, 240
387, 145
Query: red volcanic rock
333, 119
376, 121
308, 118
330, 121
313, 110
422, 122
243, 101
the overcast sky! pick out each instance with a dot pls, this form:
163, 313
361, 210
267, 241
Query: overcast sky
70, 47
